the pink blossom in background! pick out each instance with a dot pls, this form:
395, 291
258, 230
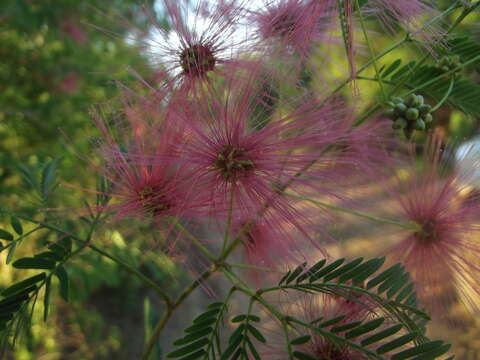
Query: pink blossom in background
139, 162
70, 83
442, 254
292, 26
73, 29
244, 166
274, 242
413, 15
317, 309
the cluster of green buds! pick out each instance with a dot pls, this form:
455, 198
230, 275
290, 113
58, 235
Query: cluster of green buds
448, 63
409, 115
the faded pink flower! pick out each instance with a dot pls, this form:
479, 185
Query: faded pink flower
442, 251
242, 166
243, 169
71, 28
413, 15
291, 26
69, 84
275, 242
145, 178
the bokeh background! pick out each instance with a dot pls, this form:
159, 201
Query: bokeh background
58, 59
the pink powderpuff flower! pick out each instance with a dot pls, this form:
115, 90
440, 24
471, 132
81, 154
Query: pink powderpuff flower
72, 28
244, 170
442, 251
70, 83
146, 180
315, 309
201, 41
273, 242
291, 25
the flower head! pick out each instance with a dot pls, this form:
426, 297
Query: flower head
247, 168
138, 162
411, 14
291, 25
441, 251
201, 41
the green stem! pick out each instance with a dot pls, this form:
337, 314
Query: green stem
372, 54
253, 267
229, 223
87, 243
445, 97
412, 226
371, 61
133, 271
192, 238
24, 235
171, 308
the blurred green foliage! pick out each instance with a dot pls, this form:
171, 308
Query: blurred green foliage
55, 64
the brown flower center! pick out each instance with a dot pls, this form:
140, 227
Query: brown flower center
428, 231
232, 163
152, 200
197, 60
284, 25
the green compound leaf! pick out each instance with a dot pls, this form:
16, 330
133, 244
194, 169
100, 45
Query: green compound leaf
5, 235
46, 298
34, 263
199, 338
48, 178
62, 276
16, 225
23, 284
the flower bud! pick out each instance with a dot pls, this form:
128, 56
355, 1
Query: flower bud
424, 109
412, 114
428, 118
420, 124
400, 108
412, 99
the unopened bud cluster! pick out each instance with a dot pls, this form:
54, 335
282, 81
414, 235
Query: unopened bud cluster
409, 115
449, 63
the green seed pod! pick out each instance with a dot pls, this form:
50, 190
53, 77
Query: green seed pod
424, 109
445, 68
412, 99
428, 118
400, 123
412, 114
420, 124
418, 101
397, 100
400, 108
